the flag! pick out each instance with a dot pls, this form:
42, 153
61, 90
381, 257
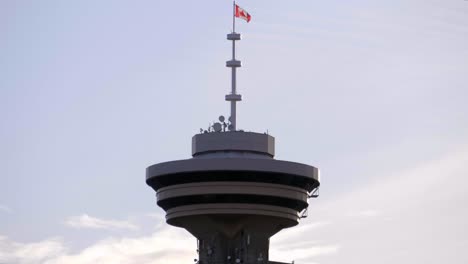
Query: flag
241, 13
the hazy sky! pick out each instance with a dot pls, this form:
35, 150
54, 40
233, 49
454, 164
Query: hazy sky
374, 93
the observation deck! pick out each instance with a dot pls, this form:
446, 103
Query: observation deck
230, 188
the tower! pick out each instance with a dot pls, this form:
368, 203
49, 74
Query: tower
232, 195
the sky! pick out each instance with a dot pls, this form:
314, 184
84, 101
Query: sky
373, 93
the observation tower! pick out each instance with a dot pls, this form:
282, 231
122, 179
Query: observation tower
232, 195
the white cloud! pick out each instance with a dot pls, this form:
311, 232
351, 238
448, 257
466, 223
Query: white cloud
171, 246
298, 243
291, 235
29, 253
303, 254
86, 221
168, 246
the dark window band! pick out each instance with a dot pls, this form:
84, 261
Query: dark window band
232, 198
243, 176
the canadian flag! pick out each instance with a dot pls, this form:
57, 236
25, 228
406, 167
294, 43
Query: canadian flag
241, 13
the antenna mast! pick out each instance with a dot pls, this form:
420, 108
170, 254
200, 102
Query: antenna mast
233, 97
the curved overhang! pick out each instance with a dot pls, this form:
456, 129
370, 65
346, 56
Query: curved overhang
233, 169
232, 192
239, 188
182, 215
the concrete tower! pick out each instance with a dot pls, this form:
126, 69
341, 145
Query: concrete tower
232, 195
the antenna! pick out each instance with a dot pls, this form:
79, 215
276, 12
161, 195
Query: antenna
233, 97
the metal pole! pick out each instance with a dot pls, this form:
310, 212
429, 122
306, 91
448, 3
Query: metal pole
233, 16
233, 64
233, 89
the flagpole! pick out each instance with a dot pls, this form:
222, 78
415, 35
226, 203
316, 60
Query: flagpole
234, 31
233, 16
233, 86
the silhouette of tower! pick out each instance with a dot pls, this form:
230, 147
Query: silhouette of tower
232, 195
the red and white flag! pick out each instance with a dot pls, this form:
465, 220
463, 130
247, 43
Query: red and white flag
241, 13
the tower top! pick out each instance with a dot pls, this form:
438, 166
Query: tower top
233, 97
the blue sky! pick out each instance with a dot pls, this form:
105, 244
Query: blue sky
374, 93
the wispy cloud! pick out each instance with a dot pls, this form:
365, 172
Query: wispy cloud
292, 235
168, 246
387, 216
303, 253
86, 221
29, 253
5, 209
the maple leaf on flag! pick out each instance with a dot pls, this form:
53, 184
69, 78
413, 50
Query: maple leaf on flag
241, 13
